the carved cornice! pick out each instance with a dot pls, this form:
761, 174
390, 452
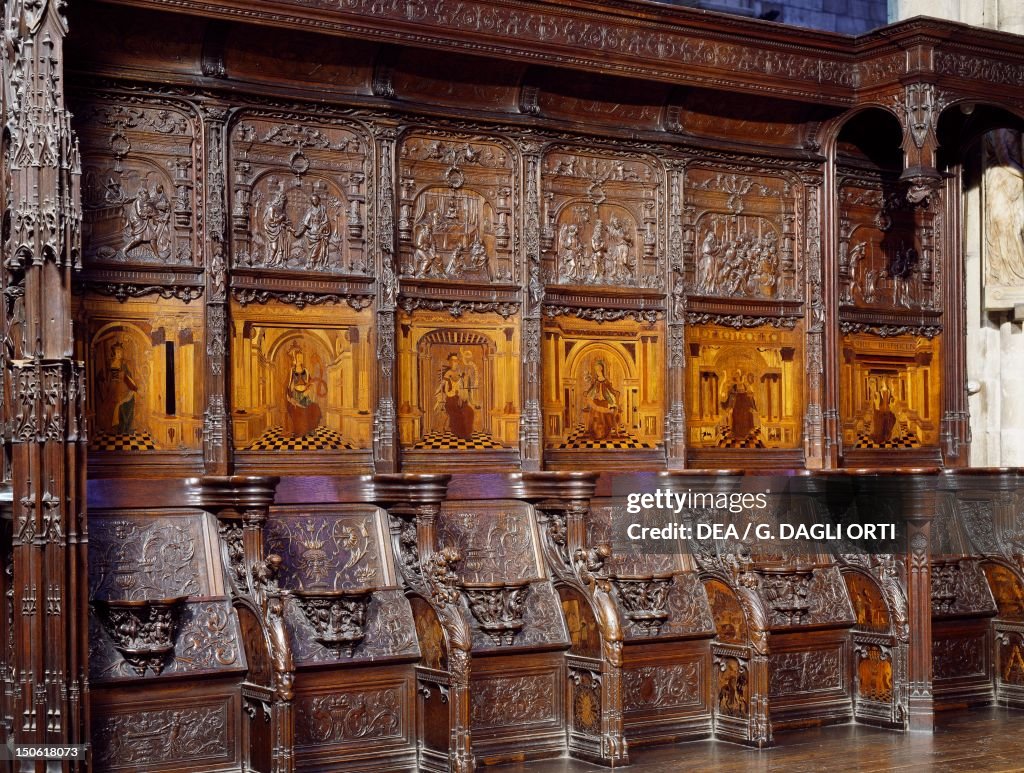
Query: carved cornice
457, 307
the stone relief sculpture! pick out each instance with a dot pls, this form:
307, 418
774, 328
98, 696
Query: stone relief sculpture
1003, 219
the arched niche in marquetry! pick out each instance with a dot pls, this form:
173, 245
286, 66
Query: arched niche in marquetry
888, 280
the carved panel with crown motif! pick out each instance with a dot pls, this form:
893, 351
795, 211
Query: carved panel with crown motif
600, 219
457, 196
298, 195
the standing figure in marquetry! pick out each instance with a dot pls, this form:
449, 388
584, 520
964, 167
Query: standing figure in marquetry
275, 229
118, 389
300, 395
602, 405
454, 397
883, 418
316, 227
741, 406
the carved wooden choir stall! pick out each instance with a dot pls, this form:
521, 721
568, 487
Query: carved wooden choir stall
353, 326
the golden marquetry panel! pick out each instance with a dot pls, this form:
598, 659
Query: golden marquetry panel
603, 384
745, 387
145, 362
301, 382
458, 386
889, 391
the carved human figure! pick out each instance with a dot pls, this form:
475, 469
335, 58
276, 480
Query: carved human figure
316, 227
598, 246
426, 259
454, 396
144, 227
572, 251
602, 404
706, 267
118, 389
275, 229
623, 260
301, 391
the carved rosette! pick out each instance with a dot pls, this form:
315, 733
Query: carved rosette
644, 600
338, 616
498, 608
143, 630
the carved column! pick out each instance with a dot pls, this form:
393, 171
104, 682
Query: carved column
814, 418
242, 506
383, 253
562, 501
948, 254
531, 429
675, 381
44, 447
413, 503
217, 452
919, 497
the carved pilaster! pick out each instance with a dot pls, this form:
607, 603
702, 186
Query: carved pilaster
918, 109
814, 429
216, 422
382, 251
44, 451
675, 416
531, 429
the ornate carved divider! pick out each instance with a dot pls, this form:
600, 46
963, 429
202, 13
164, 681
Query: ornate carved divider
241, 505
413, 503
594, 662
42, 389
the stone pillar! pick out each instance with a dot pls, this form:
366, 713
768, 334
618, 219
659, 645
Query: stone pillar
44, 439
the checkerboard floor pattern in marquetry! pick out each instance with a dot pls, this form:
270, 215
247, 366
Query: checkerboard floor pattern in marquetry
753, 440
320, 439
579, 438
112, 441
905, 440
446, 441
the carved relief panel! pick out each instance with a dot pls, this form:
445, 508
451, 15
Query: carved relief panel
138, 183
301, 381
456, 199
144, 360
298, 195
458, 381
889, 391
504, 588
742, 228
745, 386
600, 219
343, 602
603, 384
883, 262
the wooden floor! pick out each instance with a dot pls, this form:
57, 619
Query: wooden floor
970, 741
